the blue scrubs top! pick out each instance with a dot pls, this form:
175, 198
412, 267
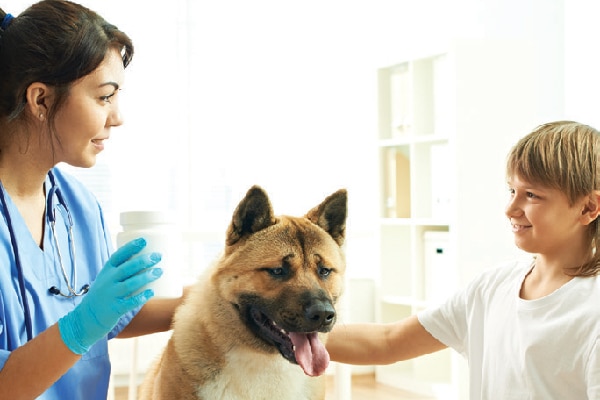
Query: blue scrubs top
88, 378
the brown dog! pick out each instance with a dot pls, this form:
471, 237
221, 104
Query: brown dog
252, 327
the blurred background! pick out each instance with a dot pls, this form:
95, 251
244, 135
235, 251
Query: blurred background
222, 95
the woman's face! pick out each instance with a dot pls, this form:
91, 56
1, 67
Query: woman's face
90, 110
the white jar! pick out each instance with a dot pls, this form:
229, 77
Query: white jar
159, 230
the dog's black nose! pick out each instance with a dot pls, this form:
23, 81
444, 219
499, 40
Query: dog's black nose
320, 313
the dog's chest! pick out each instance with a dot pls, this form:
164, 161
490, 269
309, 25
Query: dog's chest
249, 375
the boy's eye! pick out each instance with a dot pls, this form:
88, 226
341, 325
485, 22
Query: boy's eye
531, 195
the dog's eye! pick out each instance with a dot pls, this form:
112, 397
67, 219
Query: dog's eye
324, 272
278, 272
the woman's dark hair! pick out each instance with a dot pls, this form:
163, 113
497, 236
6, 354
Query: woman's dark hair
55, 42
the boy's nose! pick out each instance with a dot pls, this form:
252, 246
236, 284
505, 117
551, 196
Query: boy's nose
512, 208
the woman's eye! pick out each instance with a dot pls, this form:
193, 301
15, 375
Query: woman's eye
108, 98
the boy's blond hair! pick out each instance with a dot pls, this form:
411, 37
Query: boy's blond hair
562, 155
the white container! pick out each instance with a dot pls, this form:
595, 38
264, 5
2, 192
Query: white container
440, 275
160, 232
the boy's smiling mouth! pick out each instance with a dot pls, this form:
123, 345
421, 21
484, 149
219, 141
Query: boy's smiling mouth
519, 228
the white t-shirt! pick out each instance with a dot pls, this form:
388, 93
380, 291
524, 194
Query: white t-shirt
543, 349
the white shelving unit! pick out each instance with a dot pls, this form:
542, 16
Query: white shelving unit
446, 122
415, 169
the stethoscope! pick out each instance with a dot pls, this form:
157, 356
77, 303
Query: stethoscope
51, 215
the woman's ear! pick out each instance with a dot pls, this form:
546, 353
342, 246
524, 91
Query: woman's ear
591, 208
38, 100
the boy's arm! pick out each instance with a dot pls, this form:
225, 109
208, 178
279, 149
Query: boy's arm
379, 344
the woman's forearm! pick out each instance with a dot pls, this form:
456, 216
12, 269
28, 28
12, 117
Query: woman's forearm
35, 366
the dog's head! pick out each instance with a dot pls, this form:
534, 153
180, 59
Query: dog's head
283, 275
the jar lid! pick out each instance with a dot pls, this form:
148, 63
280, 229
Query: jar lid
145, 217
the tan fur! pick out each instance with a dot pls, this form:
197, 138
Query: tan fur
213, 354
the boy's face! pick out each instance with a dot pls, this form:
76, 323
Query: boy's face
542, 220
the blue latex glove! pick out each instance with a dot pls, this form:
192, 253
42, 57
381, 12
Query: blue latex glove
111, 296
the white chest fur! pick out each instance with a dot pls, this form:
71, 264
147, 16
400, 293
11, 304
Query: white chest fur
259, 377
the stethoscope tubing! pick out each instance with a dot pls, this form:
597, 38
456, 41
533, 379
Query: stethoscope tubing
51, 215
13, 242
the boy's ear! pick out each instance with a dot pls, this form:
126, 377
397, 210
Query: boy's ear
591, 208
38, 100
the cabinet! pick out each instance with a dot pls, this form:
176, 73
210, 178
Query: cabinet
446, 122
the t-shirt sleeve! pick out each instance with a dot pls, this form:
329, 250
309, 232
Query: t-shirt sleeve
448, 322
593, 372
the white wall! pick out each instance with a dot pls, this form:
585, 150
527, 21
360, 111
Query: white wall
223, 95
582, 59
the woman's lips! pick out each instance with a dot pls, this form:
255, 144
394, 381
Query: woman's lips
98, 144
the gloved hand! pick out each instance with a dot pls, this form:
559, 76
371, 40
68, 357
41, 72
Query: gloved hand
111, 296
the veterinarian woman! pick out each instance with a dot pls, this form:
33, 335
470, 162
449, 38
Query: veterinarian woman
529, 329
62, 294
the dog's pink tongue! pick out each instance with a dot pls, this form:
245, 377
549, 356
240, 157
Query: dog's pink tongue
311, 355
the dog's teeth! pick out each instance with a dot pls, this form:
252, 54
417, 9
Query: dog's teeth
273, 322
294, 348
283, 331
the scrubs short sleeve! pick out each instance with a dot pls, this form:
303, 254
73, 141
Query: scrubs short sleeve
41, 269
3, 357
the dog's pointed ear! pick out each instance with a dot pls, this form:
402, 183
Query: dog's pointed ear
331, 215
253, 214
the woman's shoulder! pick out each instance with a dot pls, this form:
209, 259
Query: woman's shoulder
69, 185
83, 205
79, 198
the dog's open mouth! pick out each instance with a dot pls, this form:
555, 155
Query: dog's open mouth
302, 348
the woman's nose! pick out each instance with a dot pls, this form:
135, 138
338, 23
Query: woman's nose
115, 118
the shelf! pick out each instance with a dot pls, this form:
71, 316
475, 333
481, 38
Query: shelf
413, 139
405, 301
433, 222
426, 376
435, 142
413, 98
416, 177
